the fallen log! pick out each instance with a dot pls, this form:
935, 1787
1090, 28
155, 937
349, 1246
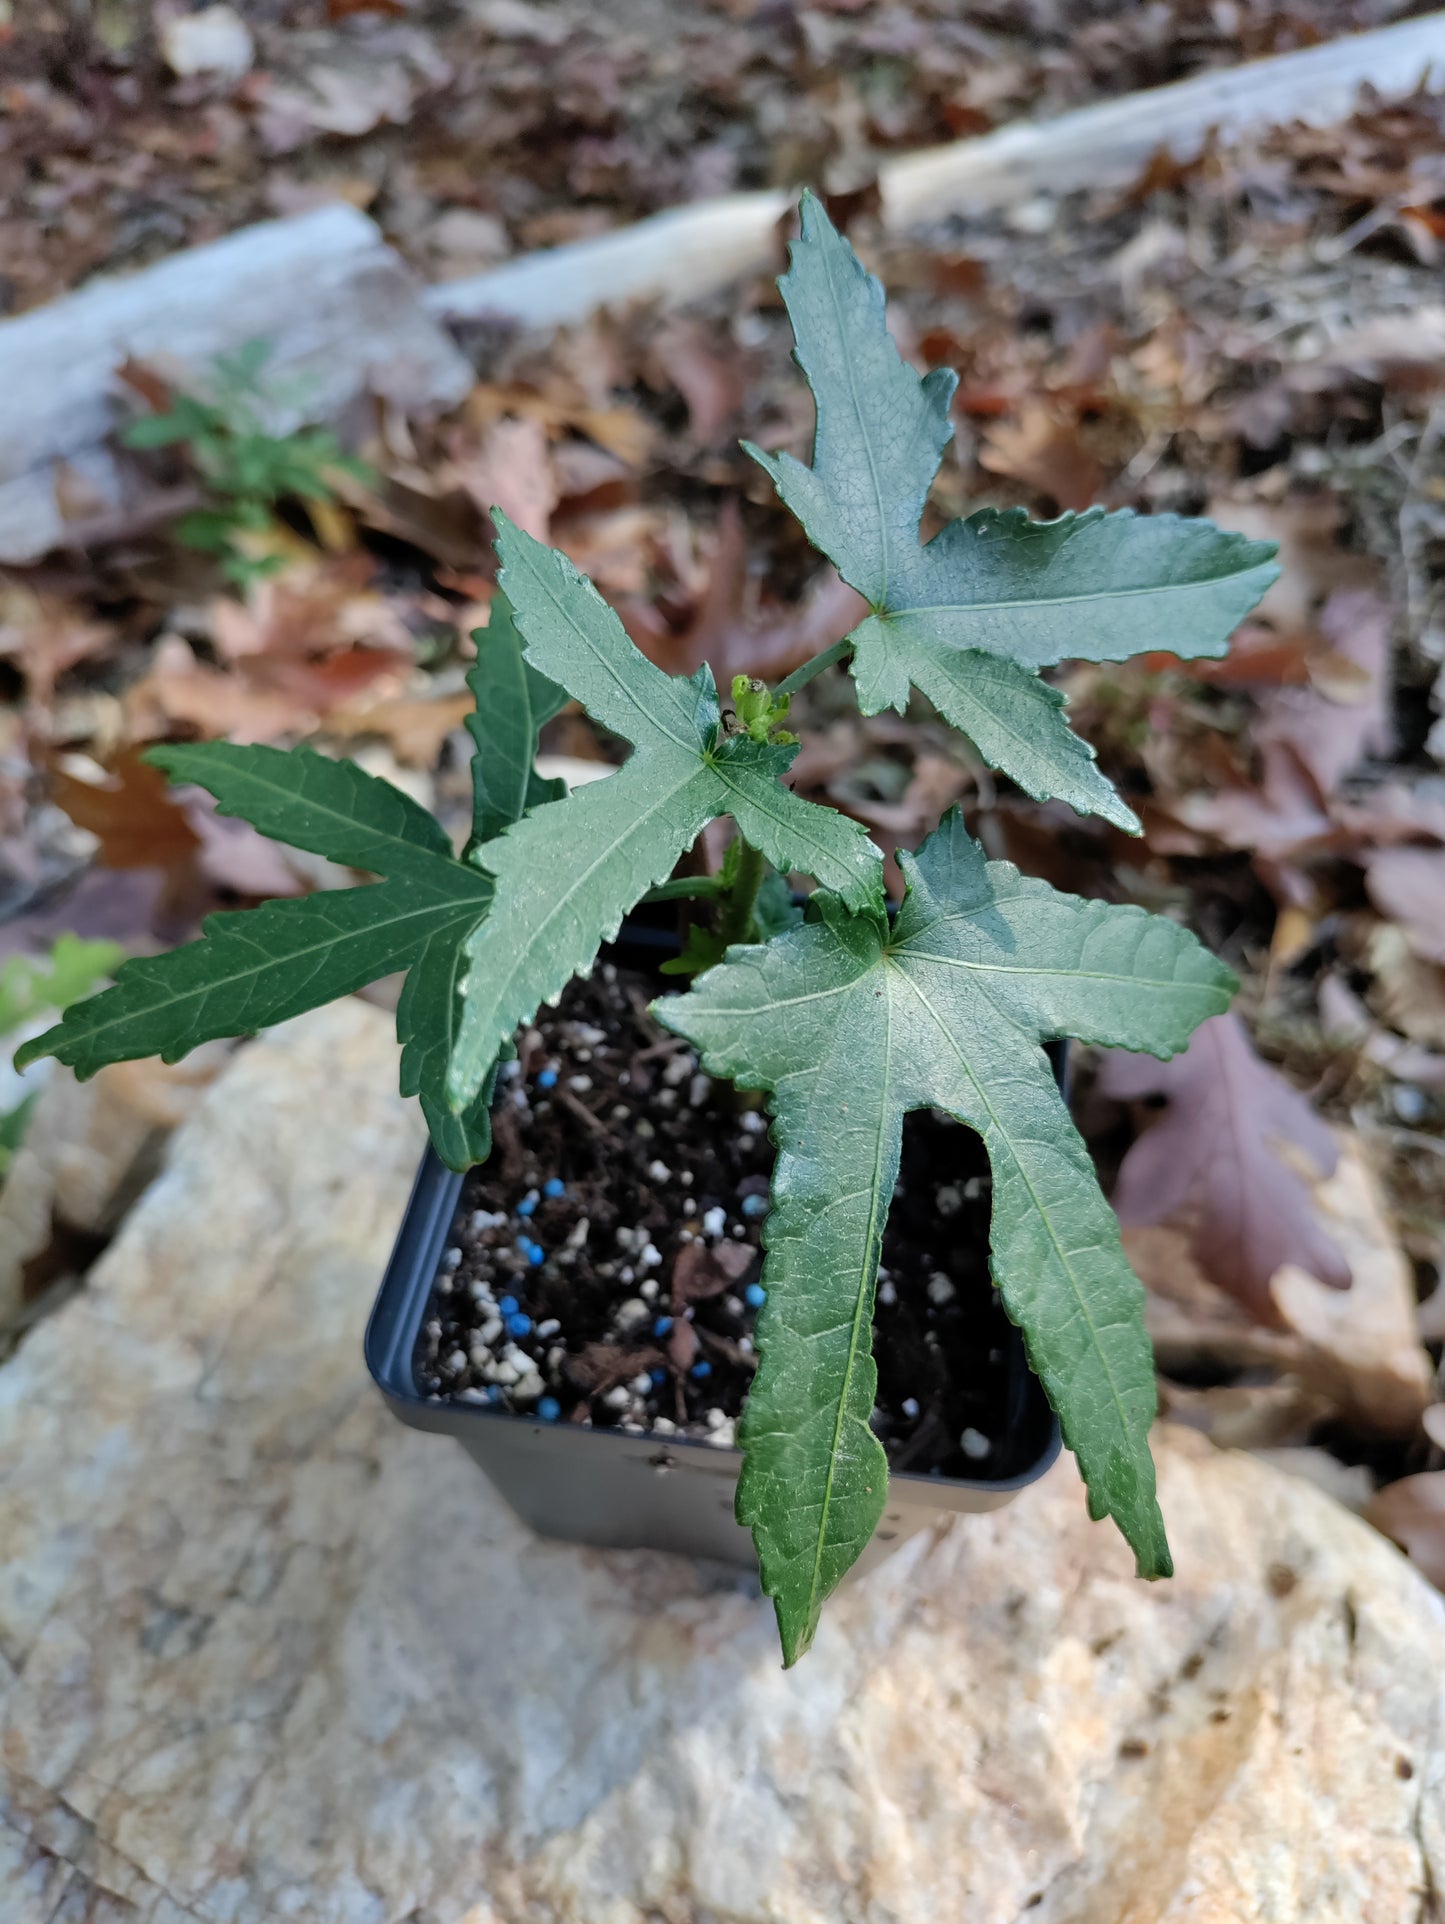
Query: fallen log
341, 311
345, 317
690, 252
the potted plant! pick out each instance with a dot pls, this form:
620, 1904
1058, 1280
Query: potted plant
841, 1017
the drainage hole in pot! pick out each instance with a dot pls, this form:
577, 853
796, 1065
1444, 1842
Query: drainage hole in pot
604, 1267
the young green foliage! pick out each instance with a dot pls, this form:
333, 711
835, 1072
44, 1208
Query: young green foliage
30, 986
850, 1024
513, 703
260, 966
245, 470
567, 874
848, 1020
74, 967
972, 616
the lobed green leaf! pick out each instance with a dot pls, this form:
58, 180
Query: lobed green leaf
333, 808
427, 1017
1091, 586
262, 965
512, 702
256, 967
567, 874
850, 1025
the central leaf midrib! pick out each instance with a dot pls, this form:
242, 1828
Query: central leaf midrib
419, 854
905, 948
648, 721
860, 1299
864, 435
634, 824
1017, 602
203, 990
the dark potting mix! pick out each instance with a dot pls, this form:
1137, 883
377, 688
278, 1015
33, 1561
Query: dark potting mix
604, 1266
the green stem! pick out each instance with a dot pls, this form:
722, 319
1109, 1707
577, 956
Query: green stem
687, 888
736, 921
800, 677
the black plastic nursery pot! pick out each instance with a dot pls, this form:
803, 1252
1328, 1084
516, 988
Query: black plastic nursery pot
610, 1488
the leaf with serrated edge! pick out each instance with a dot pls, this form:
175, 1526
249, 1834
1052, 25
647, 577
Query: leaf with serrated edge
568, 873
332, 808
512, 701
1013, 719
427, 1015
259, 966
335, 808
1089, 586
850, 1026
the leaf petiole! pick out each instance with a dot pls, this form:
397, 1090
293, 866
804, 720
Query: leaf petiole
736, 920
688, 888
800, 677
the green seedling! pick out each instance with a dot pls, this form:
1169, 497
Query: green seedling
31, 987
848, 1016
245, 471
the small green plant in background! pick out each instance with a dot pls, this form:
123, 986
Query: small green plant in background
850, 1014
245, 471
33, 986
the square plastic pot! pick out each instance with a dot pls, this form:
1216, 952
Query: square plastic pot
616, 1491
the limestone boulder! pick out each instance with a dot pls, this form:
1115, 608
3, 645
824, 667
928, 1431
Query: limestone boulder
88, 1151
265, 1655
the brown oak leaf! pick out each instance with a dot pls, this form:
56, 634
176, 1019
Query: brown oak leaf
1213, 1156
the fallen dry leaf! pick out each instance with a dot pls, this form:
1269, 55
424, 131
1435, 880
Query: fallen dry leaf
1412, 1513
682, 1346
1244, 1416
233, 855
45, 636
179, 689
1363, 1350
708, 373
129, 808
601, 1366
728, 627
318, 607
1342, 717
1315, 561
1045, 453
1404, 991
708, 1269
622, 431
1212, 1157
511, 469
1408, 886
1346, 1022
1197, 1331
415, 725
1308, 738
1348, 1483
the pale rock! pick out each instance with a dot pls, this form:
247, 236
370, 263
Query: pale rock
267, 1655
88, 1151
1348, 1483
